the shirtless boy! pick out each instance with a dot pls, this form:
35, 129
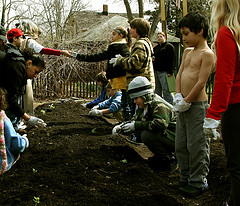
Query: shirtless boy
191, 144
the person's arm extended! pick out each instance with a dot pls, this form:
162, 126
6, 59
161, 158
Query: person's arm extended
205, 70
56, 52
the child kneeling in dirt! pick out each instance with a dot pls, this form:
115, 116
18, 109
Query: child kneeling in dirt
11, 143
102, 81
151, 125
111, 105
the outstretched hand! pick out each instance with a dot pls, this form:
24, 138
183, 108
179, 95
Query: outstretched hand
66, 53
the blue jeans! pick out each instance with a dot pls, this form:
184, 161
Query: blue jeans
162, 86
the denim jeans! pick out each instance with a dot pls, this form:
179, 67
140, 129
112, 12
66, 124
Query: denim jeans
162, 86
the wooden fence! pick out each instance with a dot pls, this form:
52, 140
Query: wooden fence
67, 77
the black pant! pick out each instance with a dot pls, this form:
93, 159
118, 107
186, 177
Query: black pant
231, 138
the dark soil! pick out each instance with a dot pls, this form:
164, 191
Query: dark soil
77, 161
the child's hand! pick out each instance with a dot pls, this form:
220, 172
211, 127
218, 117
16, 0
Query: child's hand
129, 127
34, 121
67, 53
114, 60
84, 104
181, 106
95, 107
177, 98
95, 112
26, 139
209, 127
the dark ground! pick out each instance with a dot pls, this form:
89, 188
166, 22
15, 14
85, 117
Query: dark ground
76, 161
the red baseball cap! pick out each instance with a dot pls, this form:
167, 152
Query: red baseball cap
14, 33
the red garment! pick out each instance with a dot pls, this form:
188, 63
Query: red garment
49, 51
227, 79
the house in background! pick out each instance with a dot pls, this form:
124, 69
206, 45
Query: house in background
91, 26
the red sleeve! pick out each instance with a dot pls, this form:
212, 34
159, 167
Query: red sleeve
225, 71
49, 51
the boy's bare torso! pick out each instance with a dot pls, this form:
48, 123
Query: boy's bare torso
190, 74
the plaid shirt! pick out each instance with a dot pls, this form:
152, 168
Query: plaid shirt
139, 63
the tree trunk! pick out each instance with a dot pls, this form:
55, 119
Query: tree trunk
140, 8
129, 11
3, 15
155, 23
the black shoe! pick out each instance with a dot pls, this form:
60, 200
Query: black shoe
191, 191
179, 184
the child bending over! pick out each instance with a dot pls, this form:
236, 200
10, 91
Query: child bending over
102, 81
111, 105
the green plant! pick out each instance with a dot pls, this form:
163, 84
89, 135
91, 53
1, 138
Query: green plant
34, 170
36, 200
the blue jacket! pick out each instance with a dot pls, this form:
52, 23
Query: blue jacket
113, 103
101, 98
14, 143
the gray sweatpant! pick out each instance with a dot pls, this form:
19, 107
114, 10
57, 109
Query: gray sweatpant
192, 145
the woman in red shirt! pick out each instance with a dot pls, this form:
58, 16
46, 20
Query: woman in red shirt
225, 104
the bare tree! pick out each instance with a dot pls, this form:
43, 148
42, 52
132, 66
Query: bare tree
10, 6
156, 18
52, 16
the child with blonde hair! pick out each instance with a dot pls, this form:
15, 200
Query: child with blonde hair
225, 104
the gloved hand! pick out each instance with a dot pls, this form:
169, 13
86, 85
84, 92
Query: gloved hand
26, 139
117, 129
114, 60
177, 98
181, 106
34, 121
84, 105
129, 127
95, 107
209, 127
95, 112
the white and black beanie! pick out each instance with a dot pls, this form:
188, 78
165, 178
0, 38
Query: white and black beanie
139, 87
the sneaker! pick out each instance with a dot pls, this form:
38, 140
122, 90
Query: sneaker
191, 191
134, 139
179, 184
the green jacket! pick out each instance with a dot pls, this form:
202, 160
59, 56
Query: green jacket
157, 117
139, 63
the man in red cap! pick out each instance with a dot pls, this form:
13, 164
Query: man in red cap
14, 56
15, 37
